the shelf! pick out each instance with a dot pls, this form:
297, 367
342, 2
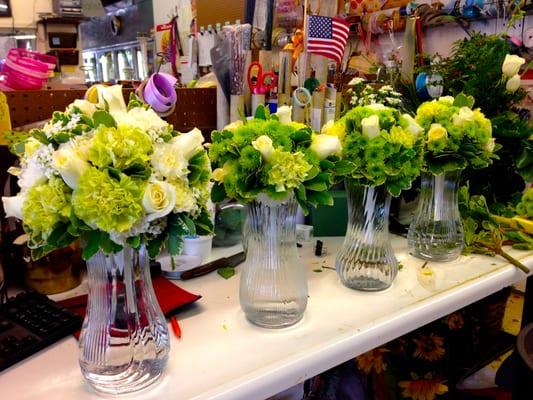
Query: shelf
222, 356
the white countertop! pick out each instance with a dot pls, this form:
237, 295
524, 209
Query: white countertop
223, 356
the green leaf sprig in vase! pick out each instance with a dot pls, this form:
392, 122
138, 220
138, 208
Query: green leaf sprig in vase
382, 152
272, 164
457, 136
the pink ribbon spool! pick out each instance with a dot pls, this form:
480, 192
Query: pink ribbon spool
23, 69
160, 93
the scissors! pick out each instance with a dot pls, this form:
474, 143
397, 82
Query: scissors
260, 82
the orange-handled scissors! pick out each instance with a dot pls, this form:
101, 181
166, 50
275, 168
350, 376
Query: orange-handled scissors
260, 82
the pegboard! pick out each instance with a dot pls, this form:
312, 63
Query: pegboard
194, 107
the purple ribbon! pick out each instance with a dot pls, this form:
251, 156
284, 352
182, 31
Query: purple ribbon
159, 92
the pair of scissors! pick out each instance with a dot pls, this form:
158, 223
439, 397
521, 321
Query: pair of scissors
260, 82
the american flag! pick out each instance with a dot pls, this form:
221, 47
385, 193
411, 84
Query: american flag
327, 36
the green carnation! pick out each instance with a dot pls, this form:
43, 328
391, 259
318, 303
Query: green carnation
120, 147
250, 158
287, 170
46, 205
108, 204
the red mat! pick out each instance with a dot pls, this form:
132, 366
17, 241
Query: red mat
169, 296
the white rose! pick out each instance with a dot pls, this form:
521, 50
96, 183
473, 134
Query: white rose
168, 162
437, 132
325, 145
85, 107
377, 106
511, 65
69, 165
284, 114
413, 126
490, 145
263, 144
513, 84
112, 96
13, 205
327, 126
159, 199
141, 118
464, 115
188, 143
370, 126
447, 99
233, 126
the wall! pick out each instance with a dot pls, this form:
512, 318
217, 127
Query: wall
25, 13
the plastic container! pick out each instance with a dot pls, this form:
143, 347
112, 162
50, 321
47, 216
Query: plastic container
199, 246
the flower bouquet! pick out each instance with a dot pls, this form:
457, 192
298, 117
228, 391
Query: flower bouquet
272, 166
382, 150
457, 136
124, 182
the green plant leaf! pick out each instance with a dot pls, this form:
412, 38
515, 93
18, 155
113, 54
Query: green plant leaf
319, 198
189, 223
103, 118
40, 136
154, 246
218, 193
134, 241
463, 100
226, 272
91, 241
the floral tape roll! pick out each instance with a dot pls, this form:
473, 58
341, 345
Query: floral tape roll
160, 93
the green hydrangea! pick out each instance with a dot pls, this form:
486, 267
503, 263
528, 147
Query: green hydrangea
46, 205
286, 170
120, 147
106, 203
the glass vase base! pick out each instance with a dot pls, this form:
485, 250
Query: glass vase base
273, 318
137, 377
436, 255
366, 284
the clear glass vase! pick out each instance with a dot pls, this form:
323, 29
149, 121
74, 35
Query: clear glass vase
273, 287
436, 232
124, 340
366, 260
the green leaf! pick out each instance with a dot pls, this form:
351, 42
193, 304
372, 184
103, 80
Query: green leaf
154, 246
134, 241
107, 245
40, 136
316, 185
218, 193
314, 171
260, 112
204, 225
226, 272
320, 198
301, 135
92, 244
462, 100
103, 118
326, 164
189, 223
61, 137
344, 167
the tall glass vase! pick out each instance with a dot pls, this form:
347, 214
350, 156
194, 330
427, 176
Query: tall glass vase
366, 260
436, 232
124, 340
273, 287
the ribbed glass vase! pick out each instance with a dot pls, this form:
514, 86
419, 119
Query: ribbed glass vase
436, 232
273, 287
366, 260
124, 340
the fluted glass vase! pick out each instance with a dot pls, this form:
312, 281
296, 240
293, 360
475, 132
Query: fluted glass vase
436, 232
124, 340
273, 287
366, 260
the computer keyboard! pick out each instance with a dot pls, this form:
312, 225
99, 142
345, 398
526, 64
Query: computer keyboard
30, 322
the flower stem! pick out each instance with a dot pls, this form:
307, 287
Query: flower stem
512, 260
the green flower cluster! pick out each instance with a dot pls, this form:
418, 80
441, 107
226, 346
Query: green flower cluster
382, 147
525, 207
46, 205
456, 136
263, 155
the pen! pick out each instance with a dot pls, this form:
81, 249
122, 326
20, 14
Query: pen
175, 326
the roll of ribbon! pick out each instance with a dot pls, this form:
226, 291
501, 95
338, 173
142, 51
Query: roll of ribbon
160, 93
421, 86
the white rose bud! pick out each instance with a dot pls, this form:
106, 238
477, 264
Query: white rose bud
490, 145
370, 126
413, 126
112, 96
327, 126
159, 199
513, 84
13, 206
511, 65
263, 144
233, 126
188, 143
141, 118
377, 106
325, 145
86, 107
219, 174
436, 132
447, 99
69, 165
284, 114
464, 115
